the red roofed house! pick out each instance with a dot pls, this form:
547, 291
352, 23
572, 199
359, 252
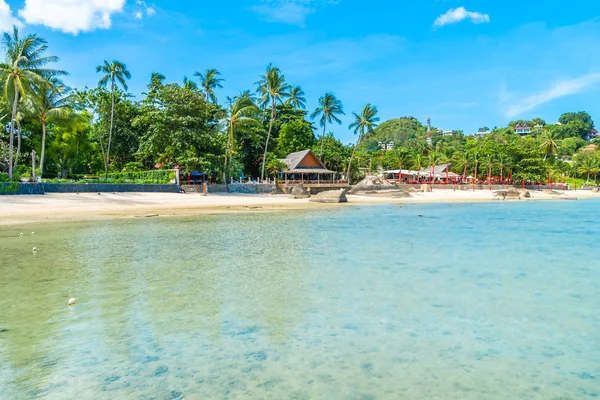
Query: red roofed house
523, 128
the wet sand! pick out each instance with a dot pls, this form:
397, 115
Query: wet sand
91, 206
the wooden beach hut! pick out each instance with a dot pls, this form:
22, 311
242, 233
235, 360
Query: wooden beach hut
306, 168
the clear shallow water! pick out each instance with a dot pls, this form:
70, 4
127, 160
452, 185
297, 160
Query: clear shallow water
481, 301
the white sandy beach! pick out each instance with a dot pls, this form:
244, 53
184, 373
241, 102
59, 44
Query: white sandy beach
91, 206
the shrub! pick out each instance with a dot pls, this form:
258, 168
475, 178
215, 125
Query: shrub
11, 187
161, 176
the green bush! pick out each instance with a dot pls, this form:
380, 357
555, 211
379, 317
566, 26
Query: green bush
160, 176
11, 187
4, 177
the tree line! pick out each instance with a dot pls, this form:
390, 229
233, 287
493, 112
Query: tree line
102, 130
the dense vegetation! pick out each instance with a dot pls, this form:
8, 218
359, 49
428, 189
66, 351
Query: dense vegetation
103, 132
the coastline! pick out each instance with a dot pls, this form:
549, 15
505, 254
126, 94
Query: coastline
24, 209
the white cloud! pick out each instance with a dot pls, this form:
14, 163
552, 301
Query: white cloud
292, 12
455, 15
557, 90
6, 18
71, 16
144, 8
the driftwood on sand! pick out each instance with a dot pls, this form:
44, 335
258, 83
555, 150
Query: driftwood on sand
378, 187
330, 196
299, 192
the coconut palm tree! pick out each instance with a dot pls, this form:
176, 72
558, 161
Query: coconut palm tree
364, 122
503, 162
404, 157
329, 107
434, 158
550, 143
25, 67
419, 162
476, 160
585, 165
241, 109
115, 73
189, 84
209, 80
50, 103
273, 89
296, 98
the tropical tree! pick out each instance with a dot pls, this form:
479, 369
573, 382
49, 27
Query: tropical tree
476, 160
25, 67
329, 108
364, 122
50, 103
189, 84
503, 162
209, 80
435, 158
550, 143
419, 162
273, 89
585, 165
241, 109
115, 74
296, 98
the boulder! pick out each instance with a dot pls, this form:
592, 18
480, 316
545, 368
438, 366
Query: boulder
378, 187
552, 192
394, 193
595, 190
299, 192
371, 183
501, 194
330, 196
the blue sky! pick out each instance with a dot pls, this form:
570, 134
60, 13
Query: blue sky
465, 64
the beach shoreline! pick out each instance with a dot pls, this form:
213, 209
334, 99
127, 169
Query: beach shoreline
23, 209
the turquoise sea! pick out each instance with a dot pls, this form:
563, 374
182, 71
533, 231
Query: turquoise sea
477, 301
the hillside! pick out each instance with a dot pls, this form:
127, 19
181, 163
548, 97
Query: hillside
397, 130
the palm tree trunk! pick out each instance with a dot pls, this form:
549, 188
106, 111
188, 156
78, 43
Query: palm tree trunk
476, 163
18, 145
112, 114
350, 162
43, 149
262, 172
465, 173
322, 140
228, 153
400, 175
12, 133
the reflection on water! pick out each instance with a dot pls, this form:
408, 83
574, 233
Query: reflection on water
468, 302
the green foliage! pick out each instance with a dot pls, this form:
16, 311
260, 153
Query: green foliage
294, 136
156, 176
335, 154
570, 146
399, 131
11, 187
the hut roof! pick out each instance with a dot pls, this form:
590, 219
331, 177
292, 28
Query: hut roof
294, 161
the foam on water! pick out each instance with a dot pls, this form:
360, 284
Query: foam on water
491, 301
